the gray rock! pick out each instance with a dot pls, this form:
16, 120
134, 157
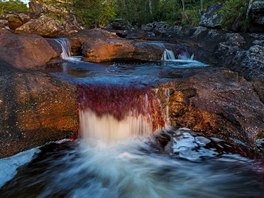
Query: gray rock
211, 18
257, 7
250, 62
256, 15
119, 24
260, 20
199, 31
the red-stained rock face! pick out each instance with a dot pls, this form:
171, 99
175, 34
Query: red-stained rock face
121, 102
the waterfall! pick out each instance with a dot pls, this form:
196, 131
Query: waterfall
110, 113
65, 46
168, 56
66, 52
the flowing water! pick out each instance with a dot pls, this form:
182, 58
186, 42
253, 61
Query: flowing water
117, 154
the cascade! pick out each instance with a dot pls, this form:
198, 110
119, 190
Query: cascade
168, 56
113, 113
66, 50
65, 46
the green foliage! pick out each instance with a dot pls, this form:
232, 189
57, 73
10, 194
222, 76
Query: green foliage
93, 13
173, 11
234, 12
11, 6
183, 12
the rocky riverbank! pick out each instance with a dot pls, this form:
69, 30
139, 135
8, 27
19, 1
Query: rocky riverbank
225, 100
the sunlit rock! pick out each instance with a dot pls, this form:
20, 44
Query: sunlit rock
25, 51
44, 26
35, 109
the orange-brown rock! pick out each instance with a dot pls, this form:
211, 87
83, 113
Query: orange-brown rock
99, 45
25, 51
44, 26
108, 50
35, 109
89, 36
216, 102
14, 21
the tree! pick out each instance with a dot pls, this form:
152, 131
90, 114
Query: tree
94, 13
11, 6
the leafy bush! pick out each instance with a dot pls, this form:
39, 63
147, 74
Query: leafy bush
93, 13
183, 12
234, 15
190, 17
11, 6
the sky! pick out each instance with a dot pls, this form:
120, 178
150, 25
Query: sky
25, 1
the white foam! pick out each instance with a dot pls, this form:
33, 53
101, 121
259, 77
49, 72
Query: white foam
109, 129
186, 62
9, 166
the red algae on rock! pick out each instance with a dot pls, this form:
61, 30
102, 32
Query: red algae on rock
121, 102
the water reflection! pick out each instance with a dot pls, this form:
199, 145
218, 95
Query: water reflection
124, 73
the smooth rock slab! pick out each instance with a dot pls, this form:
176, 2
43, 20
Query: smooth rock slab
35, 109
25, 51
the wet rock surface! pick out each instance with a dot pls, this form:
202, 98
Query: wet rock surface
183, 143
35, 109
235, 51
216, 102
99, 45
213, 101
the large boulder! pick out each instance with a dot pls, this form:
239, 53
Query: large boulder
98, 45
240, 54
107, 50
17, 19
44, 26
59, 15
35, 109
49, 6
217, 102
119, 24
25, 51
256, 14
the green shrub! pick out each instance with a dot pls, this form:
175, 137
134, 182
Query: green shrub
93, 13
234, 14
190, 17
11, 6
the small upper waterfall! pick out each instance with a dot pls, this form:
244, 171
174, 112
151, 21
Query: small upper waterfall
111, 113
66, 50
168, 56
65, 46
